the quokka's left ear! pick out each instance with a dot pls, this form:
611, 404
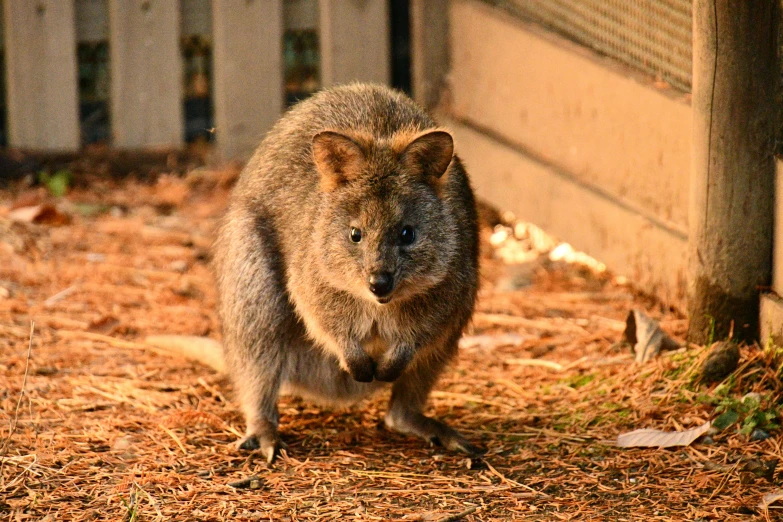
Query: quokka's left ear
429, 154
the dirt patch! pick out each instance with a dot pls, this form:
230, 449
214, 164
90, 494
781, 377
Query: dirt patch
107, 429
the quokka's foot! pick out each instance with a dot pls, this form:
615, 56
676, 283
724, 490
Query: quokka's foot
269, 446
454, 441
433, 431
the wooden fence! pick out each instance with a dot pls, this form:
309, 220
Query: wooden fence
146, 68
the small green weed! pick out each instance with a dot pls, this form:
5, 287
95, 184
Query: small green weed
577, 381
749, 412
91, 209
57, 184
774, 354
711, 334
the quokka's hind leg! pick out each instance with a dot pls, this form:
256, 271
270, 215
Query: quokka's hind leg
257, 383
255, 351
409, 396
258, 322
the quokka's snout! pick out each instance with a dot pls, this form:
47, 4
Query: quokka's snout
381, 284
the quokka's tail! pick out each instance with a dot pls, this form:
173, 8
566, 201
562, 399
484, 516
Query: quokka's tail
203, 350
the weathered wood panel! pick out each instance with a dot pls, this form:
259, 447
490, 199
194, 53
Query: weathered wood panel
429, 49
735, 81
146, 74
354, 38
248, 73
40, 42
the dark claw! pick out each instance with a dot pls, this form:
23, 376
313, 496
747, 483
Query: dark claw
248, 443
270, 446
472, 449
456, 442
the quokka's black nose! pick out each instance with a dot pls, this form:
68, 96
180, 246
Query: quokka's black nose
381, 284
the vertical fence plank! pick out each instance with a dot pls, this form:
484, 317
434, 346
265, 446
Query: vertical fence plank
146, 73
248, 72
354, 37
429, 49
43, 110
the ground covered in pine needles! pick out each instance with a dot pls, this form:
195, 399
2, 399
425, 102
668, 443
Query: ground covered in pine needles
96, 425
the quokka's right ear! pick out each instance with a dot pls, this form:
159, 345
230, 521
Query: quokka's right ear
429, 154
338, 158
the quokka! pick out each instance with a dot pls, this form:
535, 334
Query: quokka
347, 262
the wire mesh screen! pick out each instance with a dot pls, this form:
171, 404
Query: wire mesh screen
653, 36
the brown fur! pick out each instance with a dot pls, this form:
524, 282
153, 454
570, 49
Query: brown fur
295, 294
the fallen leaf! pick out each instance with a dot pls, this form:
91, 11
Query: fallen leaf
254, 482
542, 363
646, 336
180, 265
40, 214
106, 324
648, 438
770, 498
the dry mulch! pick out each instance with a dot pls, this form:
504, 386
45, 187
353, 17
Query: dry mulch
107, 429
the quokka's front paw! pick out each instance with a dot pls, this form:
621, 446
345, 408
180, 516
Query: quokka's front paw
360, 365
394, 363
269, 445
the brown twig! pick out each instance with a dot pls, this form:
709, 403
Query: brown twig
458, 516
15, 418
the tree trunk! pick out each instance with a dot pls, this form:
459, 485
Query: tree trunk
735, 78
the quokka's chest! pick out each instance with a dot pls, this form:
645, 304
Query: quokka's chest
375, 344
380, 333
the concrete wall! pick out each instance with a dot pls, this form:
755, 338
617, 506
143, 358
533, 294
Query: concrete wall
588, 150
771, 322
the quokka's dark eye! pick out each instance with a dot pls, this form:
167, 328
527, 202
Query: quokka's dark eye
407, 235
355, 235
